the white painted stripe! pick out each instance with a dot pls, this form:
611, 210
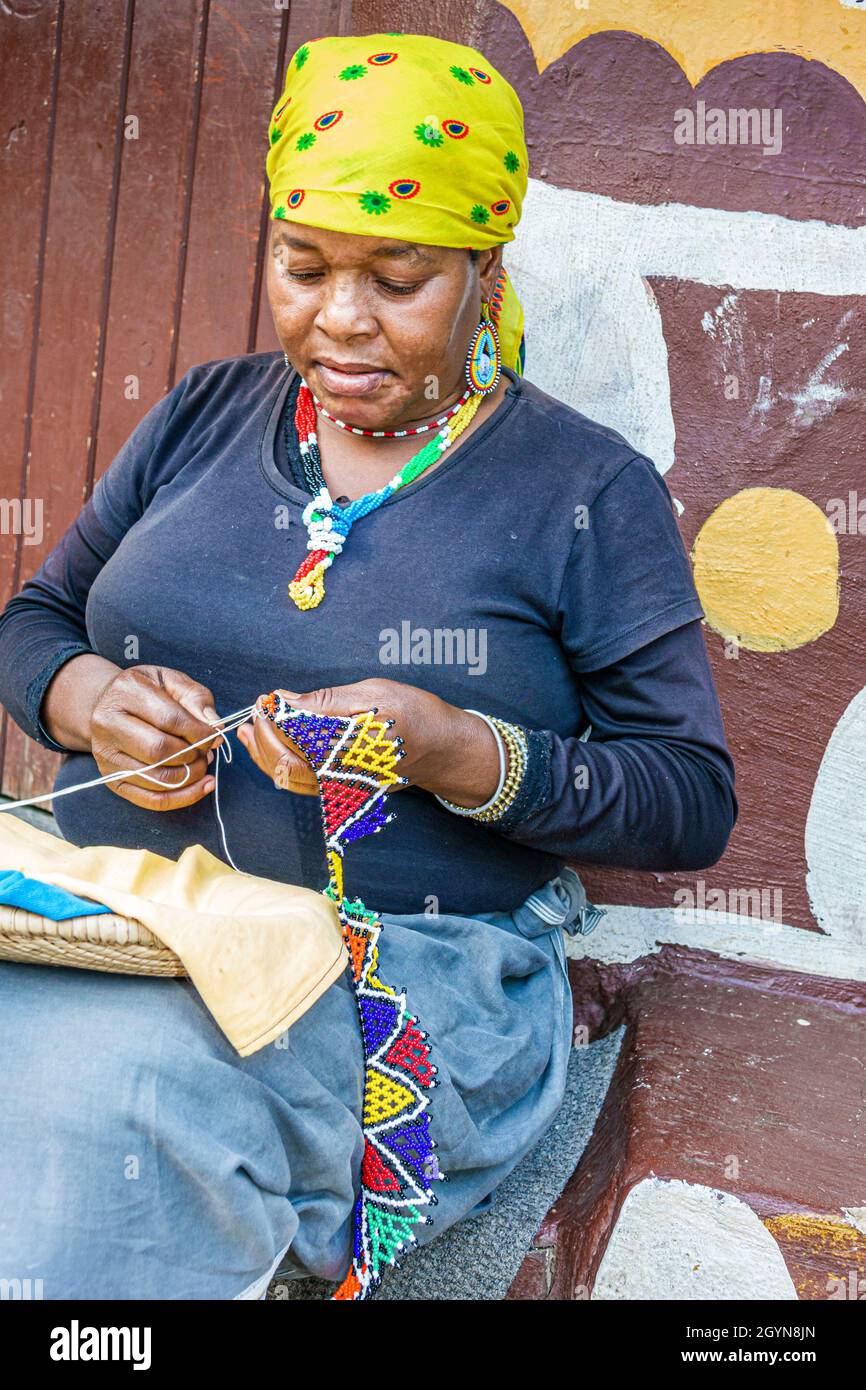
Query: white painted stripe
856, 1216
629, 933
594, 331
679, 1240
836, 830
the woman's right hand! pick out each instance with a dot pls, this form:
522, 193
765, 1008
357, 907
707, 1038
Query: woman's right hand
145, 714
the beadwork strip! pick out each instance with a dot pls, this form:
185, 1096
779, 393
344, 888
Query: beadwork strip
355, 762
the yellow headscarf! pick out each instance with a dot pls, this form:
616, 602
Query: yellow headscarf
404, 136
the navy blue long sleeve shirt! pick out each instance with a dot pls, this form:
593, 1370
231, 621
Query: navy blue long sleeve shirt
536, 573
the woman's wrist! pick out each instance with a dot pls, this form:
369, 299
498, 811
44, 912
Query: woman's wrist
480, 765
468, 768
513, 754
70, 698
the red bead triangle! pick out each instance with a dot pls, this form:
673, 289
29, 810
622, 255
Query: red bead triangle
375, 1175
340, 801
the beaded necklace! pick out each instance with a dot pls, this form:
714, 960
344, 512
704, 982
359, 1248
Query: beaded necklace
392, 434
355, 762
328, 524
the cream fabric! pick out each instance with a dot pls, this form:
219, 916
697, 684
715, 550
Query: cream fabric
260, 953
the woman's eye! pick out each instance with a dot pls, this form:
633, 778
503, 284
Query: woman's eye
306, 277
397, 289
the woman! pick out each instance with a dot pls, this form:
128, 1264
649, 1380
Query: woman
509, 556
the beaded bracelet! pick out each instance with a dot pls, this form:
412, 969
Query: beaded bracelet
513, 753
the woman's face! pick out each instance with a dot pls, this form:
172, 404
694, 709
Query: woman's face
378, 328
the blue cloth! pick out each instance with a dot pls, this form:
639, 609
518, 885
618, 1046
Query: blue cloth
536, 574
43, 898
141, 1158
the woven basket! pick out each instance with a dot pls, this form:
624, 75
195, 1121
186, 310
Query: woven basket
103, 942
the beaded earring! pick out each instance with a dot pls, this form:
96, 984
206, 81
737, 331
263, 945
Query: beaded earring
484, 359
286, 360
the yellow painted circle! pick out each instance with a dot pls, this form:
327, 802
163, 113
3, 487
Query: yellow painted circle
767, 570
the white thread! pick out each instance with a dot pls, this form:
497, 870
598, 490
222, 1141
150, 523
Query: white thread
223, 748
256, 713
126, 772
226, 724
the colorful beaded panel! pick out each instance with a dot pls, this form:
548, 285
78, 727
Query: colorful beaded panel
356, 766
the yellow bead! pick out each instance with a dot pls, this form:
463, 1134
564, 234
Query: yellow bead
308, 592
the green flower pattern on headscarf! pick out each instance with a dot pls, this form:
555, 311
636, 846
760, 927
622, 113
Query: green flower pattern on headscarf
429, 135
374, 203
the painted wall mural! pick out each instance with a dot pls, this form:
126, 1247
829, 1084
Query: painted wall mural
702, 34
692, 261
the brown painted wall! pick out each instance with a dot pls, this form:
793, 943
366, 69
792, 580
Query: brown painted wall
127, 260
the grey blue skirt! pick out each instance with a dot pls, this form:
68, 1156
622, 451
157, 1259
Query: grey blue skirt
141, 1158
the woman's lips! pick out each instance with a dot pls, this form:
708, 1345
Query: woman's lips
349, 383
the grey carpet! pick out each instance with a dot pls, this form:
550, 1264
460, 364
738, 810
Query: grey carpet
478, 1258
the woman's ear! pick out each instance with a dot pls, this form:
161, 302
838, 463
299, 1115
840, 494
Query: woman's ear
489, 265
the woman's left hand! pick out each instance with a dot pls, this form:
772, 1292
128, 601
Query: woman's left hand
447, 751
